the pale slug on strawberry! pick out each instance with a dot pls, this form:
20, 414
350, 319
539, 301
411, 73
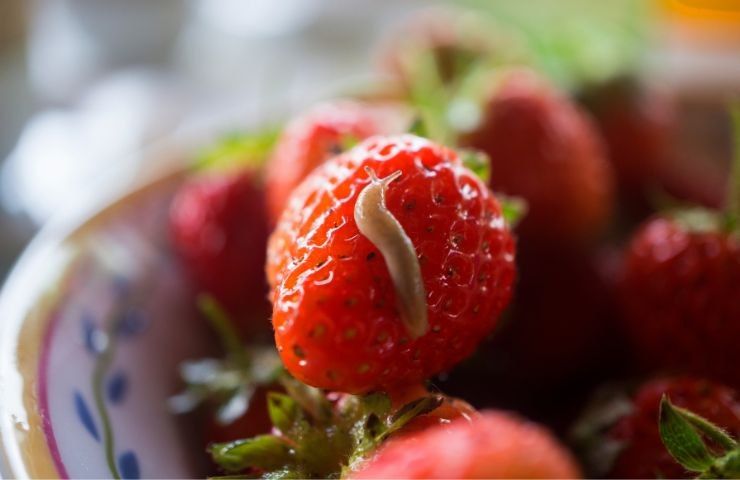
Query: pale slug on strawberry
379, 226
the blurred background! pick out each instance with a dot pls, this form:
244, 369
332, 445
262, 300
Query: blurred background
85, 84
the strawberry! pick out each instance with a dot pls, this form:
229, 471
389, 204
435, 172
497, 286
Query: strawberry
564, 298
405, 292
559, 337
630, 439
681, 285
494, 445
218, 227
637, 124
657, 144
322, 132
680, 291
544, 149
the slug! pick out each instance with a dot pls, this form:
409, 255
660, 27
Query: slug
379, 226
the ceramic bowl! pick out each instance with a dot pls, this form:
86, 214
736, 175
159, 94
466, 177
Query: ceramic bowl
94, 320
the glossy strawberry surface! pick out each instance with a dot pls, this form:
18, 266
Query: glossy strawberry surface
318, 134
546, 150
218, 226
494, 445
681, 297
642, 453
337, 325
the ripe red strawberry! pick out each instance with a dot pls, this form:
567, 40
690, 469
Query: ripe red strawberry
218, 226
642, 454
336, 311
494, 445
315, 136
544, 149
681, 297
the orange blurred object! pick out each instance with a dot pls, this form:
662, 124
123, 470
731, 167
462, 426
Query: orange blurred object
703, 20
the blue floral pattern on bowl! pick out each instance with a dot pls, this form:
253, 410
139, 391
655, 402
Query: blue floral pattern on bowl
109, 356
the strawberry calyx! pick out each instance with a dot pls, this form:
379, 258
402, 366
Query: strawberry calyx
317, 434
697, 444
229, 383
239, 150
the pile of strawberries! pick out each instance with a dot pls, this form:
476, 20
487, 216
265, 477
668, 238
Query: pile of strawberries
473, 230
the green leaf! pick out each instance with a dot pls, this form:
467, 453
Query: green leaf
265, 452
418, 127
239, 150
478, 162
265, 366
283, 411
512, 208
681, 440
235, 405
710, 430
348, 142
697, 219
285, 474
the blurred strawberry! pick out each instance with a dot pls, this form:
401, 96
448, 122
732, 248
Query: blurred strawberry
318, 134
621, 436
218, 227
493, 445
652, 143
637, 124
680, 291
681, 284
557, 340
544, 149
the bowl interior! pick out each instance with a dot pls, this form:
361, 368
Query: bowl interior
95, 356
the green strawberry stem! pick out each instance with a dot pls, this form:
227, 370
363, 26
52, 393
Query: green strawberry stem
429, 95
733, 198
228, 383
223, 326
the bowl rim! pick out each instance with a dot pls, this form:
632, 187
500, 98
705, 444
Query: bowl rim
35, 272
